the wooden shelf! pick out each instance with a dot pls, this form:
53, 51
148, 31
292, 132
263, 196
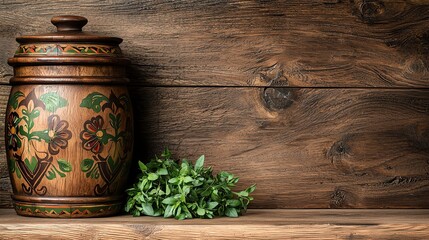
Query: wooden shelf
256, 224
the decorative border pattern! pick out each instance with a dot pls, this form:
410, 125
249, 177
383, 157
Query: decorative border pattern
66, 49
62, 211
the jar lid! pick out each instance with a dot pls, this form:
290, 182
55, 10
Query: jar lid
69, 45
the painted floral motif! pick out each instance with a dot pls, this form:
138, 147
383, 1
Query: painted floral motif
26, 159
110, 143
58, 133
94, 135
12, 138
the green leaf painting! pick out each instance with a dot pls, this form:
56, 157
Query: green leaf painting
64, 165
93, 101
111, 163
13, 167
58, 171
41, 135
89, 167
13, 100
18, 172
51, 175
31, 164
86, 164
53, 101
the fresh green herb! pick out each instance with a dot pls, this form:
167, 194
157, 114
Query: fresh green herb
167, 188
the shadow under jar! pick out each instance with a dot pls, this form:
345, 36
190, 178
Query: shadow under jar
69, 123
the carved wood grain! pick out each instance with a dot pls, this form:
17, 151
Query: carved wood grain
304, 148
317, 224
321, 43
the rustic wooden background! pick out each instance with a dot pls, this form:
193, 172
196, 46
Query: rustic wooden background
323, 103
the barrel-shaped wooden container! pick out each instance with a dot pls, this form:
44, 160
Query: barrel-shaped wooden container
69, 123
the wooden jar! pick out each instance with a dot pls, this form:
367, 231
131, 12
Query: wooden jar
69, 123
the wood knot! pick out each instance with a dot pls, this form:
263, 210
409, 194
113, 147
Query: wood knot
340, 155
277, 98
415, 67
337, 198
369, 10
338, 150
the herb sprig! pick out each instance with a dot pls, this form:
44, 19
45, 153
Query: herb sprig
167, 188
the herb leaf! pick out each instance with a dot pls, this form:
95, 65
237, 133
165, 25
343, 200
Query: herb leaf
199, 163
182, 190
147, 209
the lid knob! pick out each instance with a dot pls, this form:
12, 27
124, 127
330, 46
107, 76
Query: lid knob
66, 23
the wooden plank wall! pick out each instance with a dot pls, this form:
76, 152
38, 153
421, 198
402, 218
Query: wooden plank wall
322, 103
